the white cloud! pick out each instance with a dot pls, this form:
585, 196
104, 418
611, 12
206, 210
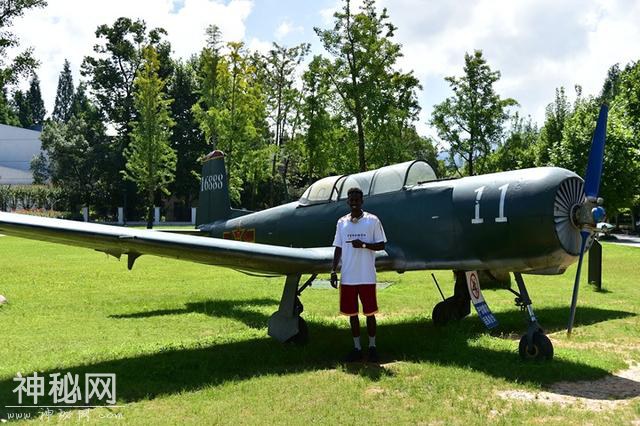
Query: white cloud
537, 45
66, 29
285, 28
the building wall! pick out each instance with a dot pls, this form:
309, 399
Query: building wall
17, 147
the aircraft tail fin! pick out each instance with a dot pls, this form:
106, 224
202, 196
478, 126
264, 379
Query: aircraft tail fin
214, 201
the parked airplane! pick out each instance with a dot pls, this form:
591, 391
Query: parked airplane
532, 221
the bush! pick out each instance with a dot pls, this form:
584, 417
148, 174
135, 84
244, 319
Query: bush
23, 197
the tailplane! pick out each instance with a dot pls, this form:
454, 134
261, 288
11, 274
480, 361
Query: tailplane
214, 204
214, 190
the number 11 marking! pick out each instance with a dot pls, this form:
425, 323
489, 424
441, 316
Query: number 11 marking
501, 217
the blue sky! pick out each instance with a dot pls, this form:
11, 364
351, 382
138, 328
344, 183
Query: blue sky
537, 45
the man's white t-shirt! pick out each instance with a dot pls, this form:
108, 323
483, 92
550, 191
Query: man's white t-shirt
358, 264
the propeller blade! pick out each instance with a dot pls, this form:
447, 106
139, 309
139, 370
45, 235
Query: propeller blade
576, 284
594, 167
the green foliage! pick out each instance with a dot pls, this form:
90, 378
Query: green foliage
7, 114
62, 109
280, 68
232, 110
29, 106
187, 139
40, 169
22, 64
36, 104
13, 197
22, 109
151, 162
471, 120
380, 100
556, 113
112, 71
76, 152
621, 151
519, 149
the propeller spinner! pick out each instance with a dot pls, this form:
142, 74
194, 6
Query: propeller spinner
587, 215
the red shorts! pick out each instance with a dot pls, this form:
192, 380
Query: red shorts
349, 299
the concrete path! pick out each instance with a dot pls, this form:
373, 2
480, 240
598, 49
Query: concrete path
625, 240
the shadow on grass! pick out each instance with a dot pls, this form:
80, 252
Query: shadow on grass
237, 309
178, 370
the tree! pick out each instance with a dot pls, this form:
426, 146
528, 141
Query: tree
151, 163
556, 114
110, 77
321, 127
283, 100
187, 139
35, 102
75, 155
64, 95
621, 151
471, 120
209, 66
235, 114
22, 109
23, 63
363, 73
113, 69
519, 148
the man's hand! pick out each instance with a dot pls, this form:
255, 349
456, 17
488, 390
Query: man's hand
357, 243
334, 280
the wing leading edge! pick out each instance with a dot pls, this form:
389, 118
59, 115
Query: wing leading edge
119, 241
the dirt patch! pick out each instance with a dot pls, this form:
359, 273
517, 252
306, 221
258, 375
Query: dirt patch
607, 393
374, 390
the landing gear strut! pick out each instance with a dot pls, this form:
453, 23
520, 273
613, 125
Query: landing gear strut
286, 324
455, 307
534, 345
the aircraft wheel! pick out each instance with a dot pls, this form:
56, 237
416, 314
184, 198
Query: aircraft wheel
541, 349
303, 333
441, 313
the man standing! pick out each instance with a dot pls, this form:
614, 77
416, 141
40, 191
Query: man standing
358, 236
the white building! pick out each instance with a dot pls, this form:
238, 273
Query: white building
17, 147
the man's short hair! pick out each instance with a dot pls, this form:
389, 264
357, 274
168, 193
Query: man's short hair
355, 190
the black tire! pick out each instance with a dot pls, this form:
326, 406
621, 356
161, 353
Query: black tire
441, 314
302, 338
541, 349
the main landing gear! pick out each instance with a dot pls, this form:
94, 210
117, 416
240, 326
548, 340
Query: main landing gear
534, 345
286, 324
455, 307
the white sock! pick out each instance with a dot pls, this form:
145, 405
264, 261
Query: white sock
372, 341
356, 343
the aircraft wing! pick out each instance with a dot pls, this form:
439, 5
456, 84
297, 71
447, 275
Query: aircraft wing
118, 241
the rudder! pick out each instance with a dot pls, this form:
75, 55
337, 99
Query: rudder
214, 201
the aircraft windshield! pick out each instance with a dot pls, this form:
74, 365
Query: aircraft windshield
320, 192
360, 180
380, 181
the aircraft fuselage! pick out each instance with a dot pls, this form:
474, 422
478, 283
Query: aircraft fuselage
503, 221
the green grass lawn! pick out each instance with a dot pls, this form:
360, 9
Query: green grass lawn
189, 344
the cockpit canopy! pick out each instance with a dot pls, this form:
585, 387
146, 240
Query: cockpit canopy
385, 179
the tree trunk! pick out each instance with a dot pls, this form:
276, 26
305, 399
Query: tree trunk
150, 210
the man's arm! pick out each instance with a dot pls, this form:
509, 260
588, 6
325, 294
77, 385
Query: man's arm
370, 246
337, 254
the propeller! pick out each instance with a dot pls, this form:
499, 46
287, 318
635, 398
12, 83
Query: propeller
589, 214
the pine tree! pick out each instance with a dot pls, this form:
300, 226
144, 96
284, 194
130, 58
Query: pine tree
36, 104
22, 109
64, 95
151, 163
